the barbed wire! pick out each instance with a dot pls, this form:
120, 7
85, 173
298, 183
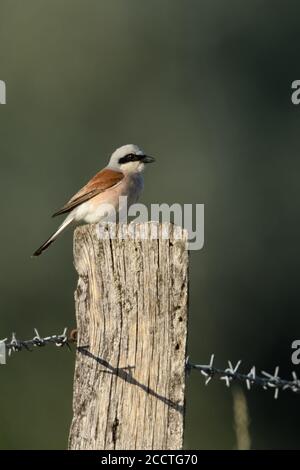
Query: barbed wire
16, 345
230, 374
266, 380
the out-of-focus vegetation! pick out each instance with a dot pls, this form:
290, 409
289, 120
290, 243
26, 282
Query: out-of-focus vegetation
205, 87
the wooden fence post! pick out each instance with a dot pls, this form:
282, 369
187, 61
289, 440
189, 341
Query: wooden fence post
131, 309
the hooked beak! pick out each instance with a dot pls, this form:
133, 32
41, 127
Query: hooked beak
147, 159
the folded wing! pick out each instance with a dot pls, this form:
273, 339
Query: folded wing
102, 181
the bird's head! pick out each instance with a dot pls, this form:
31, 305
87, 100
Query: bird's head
129, 159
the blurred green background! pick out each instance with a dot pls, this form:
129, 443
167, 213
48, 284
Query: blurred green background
205, 87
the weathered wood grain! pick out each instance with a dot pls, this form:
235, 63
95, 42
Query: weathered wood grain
131, 309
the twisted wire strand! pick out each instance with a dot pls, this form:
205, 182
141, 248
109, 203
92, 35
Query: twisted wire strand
16, 345
266, 380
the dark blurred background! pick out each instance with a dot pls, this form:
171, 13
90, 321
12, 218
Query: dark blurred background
205, 86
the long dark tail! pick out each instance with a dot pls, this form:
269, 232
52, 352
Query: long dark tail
53, 237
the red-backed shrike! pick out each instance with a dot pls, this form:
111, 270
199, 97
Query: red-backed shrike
123, 176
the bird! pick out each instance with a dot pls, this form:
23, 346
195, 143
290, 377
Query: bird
123, 176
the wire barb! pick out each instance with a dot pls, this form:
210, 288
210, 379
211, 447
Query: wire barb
266, 381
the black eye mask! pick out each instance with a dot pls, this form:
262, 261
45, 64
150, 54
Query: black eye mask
131, 157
